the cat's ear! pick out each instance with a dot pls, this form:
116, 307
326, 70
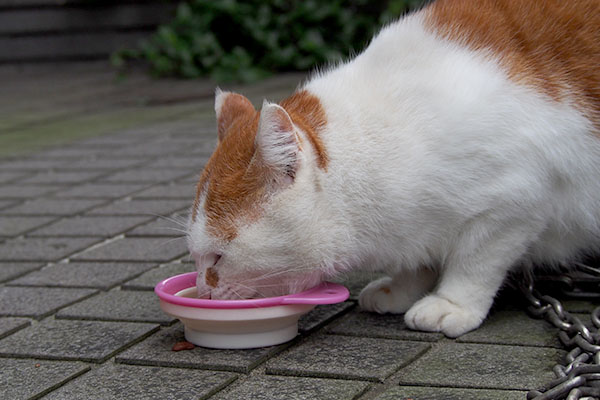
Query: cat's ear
228, 107
276, 141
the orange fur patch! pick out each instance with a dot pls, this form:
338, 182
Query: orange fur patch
308, 114
212, 279
552, 45
233, 106
234, 180
233, 184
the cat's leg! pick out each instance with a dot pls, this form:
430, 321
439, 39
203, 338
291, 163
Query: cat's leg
470, 278
398, 293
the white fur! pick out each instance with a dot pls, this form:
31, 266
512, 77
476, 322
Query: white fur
436, 159
276, 139
220, 97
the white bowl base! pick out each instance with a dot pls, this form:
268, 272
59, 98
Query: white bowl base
241, 340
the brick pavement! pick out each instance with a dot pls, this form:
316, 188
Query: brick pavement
83, 241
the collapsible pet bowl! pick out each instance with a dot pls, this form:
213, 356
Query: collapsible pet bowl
240, 324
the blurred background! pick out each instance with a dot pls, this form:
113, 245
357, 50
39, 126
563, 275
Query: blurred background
74, 69
226, 40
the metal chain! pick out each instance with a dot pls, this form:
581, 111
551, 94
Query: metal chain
578, 377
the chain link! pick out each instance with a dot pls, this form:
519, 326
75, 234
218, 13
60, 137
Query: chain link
578, 377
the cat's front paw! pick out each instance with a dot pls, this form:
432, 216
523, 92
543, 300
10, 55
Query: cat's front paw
382, 296
437, 314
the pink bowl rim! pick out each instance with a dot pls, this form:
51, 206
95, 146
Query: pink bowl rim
325, 293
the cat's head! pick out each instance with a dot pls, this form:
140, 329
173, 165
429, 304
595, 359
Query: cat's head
255, 224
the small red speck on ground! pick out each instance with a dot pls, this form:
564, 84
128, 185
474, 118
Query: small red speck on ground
182, 346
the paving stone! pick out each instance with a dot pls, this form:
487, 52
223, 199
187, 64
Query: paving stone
99, 190
172, 191
291, 388
117, 139
191, 179
130, 382
6, 204
514, 327
156, 350
173, 226
103, 148
9, 326
149, 279
189, 142
90, 226
8, 176
437, 393
102, 164
136, 249
144, 133
194, 128
192, 162
346, 357
579, 306
13, 226
153, 148
204, 150
92, 341
47, 154
11, 270
146, 175
31, 164
84, 275
483, 366
37, 302
116, 305
26, 379
390, 326
16, 191
48, 206
42, 249
142, 207
320, 315
74, 152
205, 129
53, 177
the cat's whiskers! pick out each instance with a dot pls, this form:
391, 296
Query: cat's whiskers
170, 241
185, 232
272, 274
262, 286
236, 293
183, 223
252, 289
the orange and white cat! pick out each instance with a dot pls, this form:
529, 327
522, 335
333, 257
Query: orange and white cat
462, 143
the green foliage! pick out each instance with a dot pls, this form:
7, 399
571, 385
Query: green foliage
246, 40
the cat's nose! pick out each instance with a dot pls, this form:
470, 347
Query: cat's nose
206, 260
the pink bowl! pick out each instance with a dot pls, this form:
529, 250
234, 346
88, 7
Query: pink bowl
325, 293
240, 324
